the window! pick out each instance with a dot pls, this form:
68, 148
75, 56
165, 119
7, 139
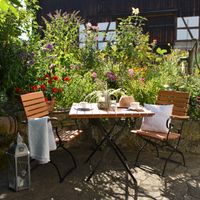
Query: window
106, 33
193, 25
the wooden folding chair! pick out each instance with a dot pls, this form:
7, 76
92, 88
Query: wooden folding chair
35, 107
170, 140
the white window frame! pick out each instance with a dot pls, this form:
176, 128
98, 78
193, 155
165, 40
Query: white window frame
193, 23
106, 33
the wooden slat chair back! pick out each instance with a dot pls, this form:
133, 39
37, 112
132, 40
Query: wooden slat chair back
34, 105
180, 101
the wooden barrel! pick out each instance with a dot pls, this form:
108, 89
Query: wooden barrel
8, 125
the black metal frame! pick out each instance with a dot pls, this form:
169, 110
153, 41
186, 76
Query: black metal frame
60, 144
108, 136
164, 144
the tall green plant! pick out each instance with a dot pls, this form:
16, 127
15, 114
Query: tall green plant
54, 55
13, 50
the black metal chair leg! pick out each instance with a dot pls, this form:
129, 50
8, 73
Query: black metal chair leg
58, 171
157, 151
138, 154
71, 155
166, 161
61, 145
182, 155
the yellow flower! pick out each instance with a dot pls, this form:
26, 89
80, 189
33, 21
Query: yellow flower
135, 11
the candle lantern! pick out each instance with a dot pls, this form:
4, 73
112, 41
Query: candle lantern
18, 165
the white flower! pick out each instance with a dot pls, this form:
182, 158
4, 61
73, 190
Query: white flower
88, 25
135, 11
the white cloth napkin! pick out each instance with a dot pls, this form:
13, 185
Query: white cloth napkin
41, 139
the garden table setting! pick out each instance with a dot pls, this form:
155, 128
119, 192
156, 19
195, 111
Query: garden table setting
120, 117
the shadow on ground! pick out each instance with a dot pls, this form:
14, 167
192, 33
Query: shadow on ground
111, 181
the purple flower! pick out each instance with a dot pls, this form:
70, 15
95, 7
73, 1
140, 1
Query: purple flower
22, 55
32, 54
131, 72
49, 46
31, 62
111, 76
94, 75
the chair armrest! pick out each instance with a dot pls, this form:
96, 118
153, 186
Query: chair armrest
56, 123
53, 119
24, 122
177, 117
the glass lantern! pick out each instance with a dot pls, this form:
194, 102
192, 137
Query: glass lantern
18, 165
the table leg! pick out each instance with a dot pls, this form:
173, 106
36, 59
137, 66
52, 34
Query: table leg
117, 150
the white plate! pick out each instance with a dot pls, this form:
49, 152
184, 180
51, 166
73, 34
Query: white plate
83, 109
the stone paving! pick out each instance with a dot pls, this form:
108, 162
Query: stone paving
111, 181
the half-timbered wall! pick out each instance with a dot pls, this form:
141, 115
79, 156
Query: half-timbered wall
161, 14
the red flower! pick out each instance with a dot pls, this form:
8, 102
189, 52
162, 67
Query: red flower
46, 76
46, 99
50, 81
39, 79
60, 89
54, 90
67, 78
18, 90
34, 87
43, 87
55, 78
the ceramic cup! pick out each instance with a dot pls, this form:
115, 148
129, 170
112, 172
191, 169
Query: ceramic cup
113, 105
135, 105
83, 104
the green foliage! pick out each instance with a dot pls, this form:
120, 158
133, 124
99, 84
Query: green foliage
13, 51
54, 55
10, 5
78, 88
55, 64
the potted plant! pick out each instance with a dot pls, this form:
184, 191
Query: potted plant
104, 95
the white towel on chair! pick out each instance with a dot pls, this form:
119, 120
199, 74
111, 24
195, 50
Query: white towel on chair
41, 139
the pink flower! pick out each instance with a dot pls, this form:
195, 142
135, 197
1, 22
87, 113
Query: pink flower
94, 75
51, 66
131, 72
142, 80
111, 76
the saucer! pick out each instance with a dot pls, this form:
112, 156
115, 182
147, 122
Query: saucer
84, 109
139, 109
